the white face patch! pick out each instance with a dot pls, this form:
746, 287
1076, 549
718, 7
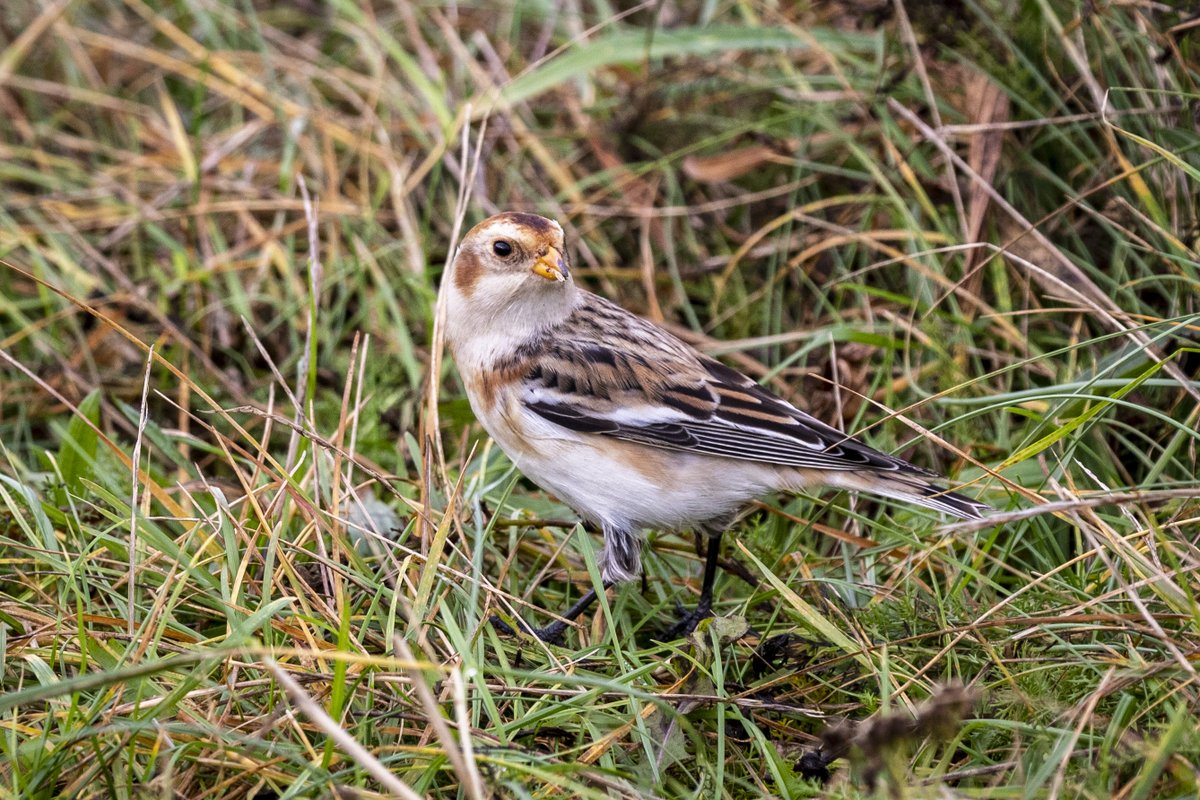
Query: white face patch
503, 229
521, 235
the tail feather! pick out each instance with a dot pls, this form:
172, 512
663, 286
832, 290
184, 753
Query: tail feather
912, 489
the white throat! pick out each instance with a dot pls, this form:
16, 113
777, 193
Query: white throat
490, 325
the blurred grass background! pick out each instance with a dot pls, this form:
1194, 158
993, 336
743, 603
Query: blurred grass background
240, 560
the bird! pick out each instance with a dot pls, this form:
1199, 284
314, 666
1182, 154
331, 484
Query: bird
626, 423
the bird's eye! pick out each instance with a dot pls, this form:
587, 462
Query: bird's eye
502, 248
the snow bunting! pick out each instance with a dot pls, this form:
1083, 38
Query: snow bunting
623, 421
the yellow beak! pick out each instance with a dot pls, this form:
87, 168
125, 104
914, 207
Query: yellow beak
551, 266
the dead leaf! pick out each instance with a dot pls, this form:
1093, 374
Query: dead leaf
732, 164
986, 104
837, 390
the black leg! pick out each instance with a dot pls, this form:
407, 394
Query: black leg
688, 622
712, 556
553, 632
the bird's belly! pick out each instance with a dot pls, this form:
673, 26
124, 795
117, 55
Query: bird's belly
626, 484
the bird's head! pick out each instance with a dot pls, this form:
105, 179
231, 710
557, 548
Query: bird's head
510, 278
510, 254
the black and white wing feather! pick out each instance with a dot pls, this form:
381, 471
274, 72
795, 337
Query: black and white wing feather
609, 373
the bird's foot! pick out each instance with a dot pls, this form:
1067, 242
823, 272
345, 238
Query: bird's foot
551, 634
687, 622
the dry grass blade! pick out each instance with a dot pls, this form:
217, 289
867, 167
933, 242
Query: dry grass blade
134, 504
307, 706
461, 755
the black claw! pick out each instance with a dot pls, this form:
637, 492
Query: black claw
687, 622
551, 634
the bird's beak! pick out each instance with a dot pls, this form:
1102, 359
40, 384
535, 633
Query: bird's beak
551, 266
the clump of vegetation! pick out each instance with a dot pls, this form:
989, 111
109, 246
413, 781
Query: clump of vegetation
251, 536
877, 744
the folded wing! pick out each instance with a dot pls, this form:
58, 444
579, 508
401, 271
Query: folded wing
636, 382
